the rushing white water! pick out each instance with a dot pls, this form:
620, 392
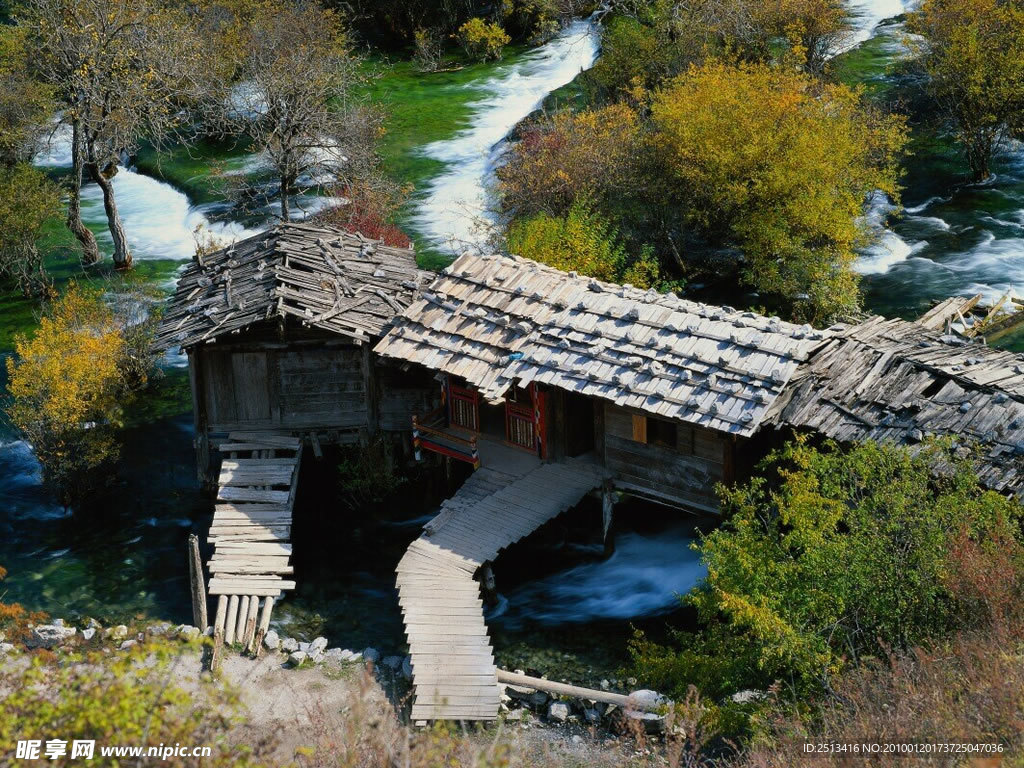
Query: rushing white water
453, 214
866, 15
644, 577
158, 219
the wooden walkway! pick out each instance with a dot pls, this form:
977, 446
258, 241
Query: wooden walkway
454, 675
250, 532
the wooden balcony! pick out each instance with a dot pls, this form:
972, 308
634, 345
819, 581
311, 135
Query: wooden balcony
431, 431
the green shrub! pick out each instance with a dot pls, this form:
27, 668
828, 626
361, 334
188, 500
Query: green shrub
827, 558
483, 41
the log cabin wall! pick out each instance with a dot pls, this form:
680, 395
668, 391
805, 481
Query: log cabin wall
676, 462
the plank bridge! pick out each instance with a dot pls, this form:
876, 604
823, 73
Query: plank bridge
454, 675
250, 533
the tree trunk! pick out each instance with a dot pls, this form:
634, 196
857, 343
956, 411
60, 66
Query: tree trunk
285, 208
90, 250
122, 253
979, 156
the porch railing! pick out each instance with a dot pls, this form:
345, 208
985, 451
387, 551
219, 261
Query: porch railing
429, 432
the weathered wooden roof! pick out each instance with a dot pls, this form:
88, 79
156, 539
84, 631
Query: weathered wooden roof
897, 381
499, 321
334, 280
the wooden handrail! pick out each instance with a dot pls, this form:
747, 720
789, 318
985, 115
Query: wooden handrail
471, 441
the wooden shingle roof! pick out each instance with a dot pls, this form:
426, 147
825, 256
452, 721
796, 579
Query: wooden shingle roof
324, 277
901, 382
498, 321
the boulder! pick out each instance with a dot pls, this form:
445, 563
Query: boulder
558, 711
120, 632
531, 697
188, 632
319, 645
392, 662
334, 654
289, 644
371, 654
271, 641
88, 634
653, 722
296, 658
163, 628
127, 644
304, 647
50, 635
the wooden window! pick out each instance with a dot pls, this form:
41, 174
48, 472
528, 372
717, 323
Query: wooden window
639, 428
661, 433
464, 408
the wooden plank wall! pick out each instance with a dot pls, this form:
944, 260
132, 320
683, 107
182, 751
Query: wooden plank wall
685, 475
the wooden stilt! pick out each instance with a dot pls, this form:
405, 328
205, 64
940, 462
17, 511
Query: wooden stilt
218, 630
264, 626
195, 575
232, 620
250, 622
243, 612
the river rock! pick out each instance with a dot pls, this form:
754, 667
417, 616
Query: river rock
289, 644
748, 696
188, 632
163, 628
58, 622
319, 645
93, 624
127, 644
407, 668
296, 658
653, 722
120, 632
334, 654
88, 634
304, 646
6, 648
50, 635
531, 697
371, 654
591, 716
392, 662
558, 711
271, 641
605, 685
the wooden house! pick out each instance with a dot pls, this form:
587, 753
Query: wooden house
279, 329
894, 381
659, 390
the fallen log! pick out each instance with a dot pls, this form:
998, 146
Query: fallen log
565, 689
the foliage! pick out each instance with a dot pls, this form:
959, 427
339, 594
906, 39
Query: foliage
127, 699
540, 20
120, 69
370, 207
973, 54
26, 104
482, 40
428, 49
777, 165
28, 200
16, 620
567, 157
582, 242
69, 384
366, 475
828, 558
647, 42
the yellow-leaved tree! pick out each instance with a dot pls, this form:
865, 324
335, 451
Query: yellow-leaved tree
69, 383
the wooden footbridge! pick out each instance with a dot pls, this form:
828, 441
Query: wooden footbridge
250, 533
454, 674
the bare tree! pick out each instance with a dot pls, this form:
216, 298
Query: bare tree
121, 71
293, 98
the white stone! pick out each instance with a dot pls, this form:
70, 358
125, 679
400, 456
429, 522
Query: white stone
304, 646
120, 632
605, 685
748, 696
289, 644
319, 645
50, 635
271, 641
188, 632
558, 711
296, 658
88, 634
6, 648
127, 644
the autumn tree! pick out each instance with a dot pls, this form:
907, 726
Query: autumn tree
973, 54
120, 70
293, 95
581, 241
28, 200
26, 104
69, 383
776, 165
592, 154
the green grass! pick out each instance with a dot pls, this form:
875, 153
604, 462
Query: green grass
195, 170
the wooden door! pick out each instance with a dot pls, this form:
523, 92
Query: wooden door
464, 408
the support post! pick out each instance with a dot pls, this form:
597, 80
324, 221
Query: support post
243, 613
250, 622
607, 507
370, 392
195, 577
218, 631
232, 620
264, 627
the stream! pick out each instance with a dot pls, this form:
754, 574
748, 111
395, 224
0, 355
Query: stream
125, 558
